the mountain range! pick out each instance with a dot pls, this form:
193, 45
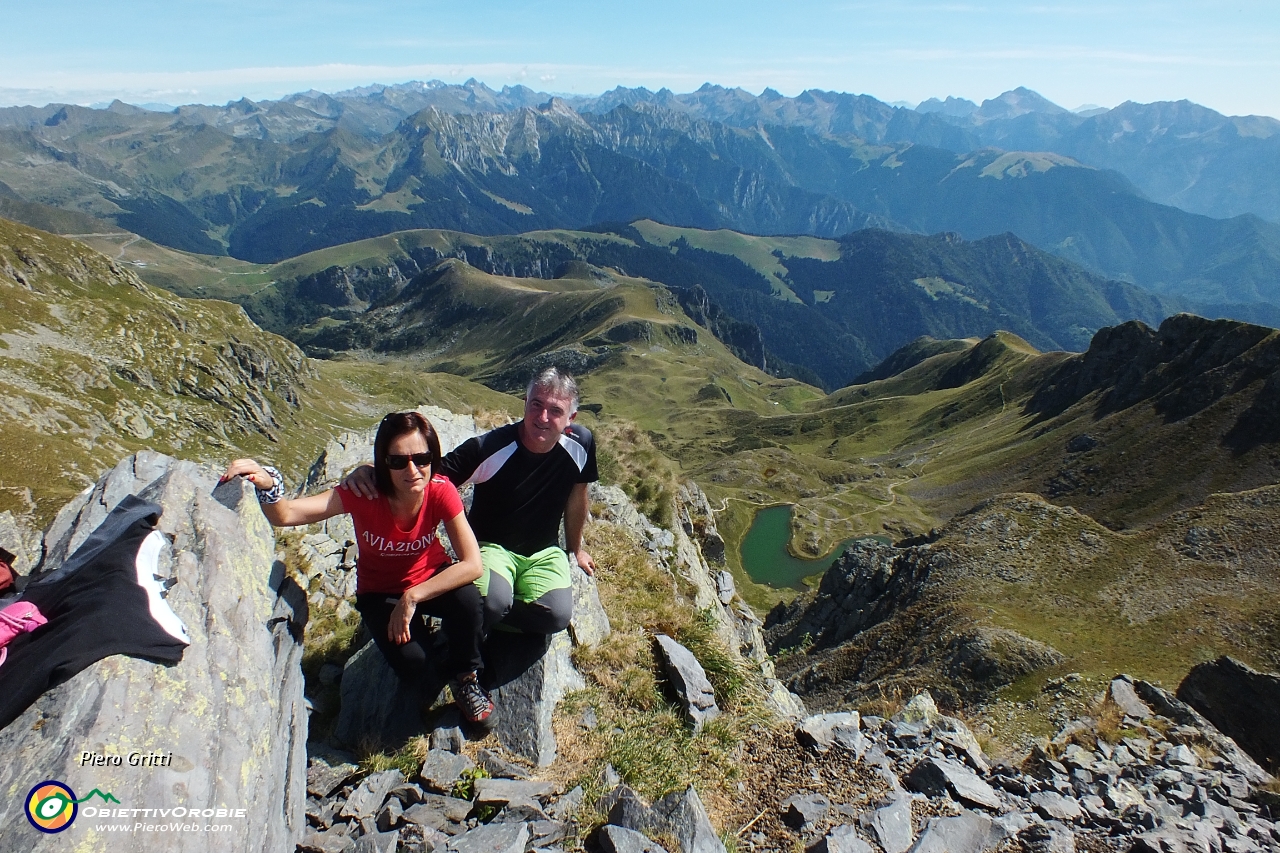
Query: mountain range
268, 181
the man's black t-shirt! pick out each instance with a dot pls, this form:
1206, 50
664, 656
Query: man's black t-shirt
521, 495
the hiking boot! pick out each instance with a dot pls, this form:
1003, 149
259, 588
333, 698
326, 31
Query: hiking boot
472, 700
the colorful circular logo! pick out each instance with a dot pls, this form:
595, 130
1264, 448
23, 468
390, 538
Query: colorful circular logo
51, 806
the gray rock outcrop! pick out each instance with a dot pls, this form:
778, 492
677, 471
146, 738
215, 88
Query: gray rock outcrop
1169, 706
1121, 692
231, 713
377, 707
1242, 703
528, 676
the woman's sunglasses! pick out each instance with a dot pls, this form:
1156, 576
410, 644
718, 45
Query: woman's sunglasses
396, 461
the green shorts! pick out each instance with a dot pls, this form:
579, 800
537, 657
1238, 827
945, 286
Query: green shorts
529, 577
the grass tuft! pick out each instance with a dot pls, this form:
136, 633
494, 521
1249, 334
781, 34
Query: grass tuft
407, 759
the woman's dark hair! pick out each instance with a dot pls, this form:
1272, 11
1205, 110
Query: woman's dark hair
392, 427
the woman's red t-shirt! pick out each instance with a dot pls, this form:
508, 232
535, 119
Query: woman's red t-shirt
391, 559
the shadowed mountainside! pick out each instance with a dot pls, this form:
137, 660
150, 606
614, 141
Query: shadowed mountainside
826, 310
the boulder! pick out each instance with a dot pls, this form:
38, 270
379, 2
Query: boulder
626, 808
333, 840
447, 734
891, 826
801, 811
370, 794
544, 833
683, 815
967, 833
1054, 806
940, 776
1242, 703
324, 778
498, 767
528, 675
956, 734
491, 838
921, 710
441, 769
230, 714
499, 792
823, 731
377, 842
1049, 837
697, 698
842, 839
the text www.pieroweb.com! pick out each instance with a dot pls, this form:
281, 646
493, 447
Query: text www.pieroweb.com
180, 819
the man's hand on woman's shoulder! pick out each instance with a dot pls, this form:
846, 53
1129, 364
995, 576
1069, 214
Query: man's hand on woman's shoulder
360, 482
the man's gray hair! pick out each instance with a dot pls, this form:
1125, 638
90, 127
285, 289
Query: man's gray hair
557, 382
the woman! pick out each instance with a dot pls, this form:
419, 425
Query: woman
402, 569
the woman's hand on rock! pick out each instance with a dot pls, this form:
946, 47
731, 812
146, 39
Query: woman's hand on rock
249, 470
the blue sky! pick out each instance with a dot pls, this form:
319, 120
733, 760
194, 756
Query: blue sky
1223, 55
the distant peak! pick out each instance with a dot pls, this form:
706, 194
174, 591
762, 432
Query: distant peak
1016, 102
952, 106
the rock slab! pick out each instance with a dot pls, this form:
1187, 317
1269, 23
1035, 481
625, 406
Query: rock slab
231, 713
823, 731
891, 826
617, 839
939, 776
689, 679
527, 677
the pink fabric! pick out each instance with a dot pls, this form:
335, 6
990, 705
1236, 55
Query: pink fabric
18, 618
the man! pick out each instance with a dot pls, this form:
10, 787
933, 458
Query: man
527, 476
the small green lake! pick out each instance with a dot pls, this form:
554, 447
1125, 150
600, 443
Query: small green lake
765, 557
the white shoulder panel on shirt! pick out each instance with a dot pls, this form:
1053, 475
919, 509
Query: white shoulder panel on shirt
576, 451
490, 466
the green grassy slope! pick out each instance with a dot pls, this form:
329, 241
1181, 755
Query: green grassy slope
95, 364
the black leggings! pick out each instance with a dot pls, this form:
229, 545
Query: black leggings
462, 610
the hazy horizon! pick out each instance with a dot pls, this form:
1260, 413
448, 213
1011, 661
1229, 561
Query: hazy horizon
156, 105
1225, 57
